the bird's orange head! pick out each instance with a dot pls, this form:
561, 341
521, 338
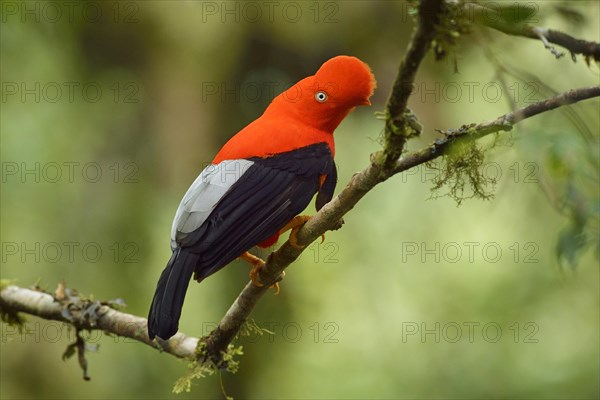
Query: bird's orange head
305, 114
325, 98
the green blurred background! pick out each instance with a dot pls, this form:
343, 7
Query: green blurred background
111, 109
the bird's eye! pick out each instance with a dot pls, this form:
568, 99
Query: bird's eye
321, 97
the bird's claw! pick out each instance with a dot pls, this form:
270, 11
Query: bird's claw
276, 284
257, 264
294, 225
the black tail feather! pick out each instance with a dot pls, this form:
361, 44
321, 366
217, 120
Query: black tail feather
163, 318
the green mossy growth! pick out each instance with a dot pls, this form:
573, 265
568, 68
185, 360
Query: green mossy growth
202, 365
406, 126
250, 327
4, 283
454, 23
397, 131
13, 319
460, 171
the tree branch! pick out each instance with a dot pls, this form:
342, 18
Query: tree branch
398, 128
360, 184
400, 125
502, 123
489, 17
85, 314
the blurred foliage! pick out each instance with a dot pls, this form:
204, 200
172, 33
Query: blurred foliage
404, 302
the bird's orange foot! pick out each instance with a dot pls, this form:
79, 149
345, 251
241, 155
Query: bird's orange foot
257, 264
295, 224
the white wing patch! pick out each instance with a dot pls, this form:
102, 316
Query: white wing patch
204, 194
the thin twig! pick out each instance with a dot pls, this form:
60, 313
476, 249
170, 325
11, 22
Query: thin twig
502, 123
489, 17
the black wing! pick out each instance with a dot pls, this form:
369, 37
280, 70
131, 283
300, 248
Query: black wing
268, 195
326, 192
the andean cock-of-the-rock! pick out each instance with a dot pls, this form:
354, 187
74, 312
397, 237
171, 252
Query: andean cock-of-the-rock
259, 182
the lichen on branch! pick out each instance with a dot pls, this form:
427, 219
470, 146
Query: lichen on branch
460, 171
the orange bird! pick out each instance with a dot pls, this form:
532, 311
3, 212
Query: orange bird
259, 182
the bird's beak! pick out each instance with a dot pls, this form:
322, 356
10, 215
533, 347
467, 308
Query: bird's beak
365, 102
